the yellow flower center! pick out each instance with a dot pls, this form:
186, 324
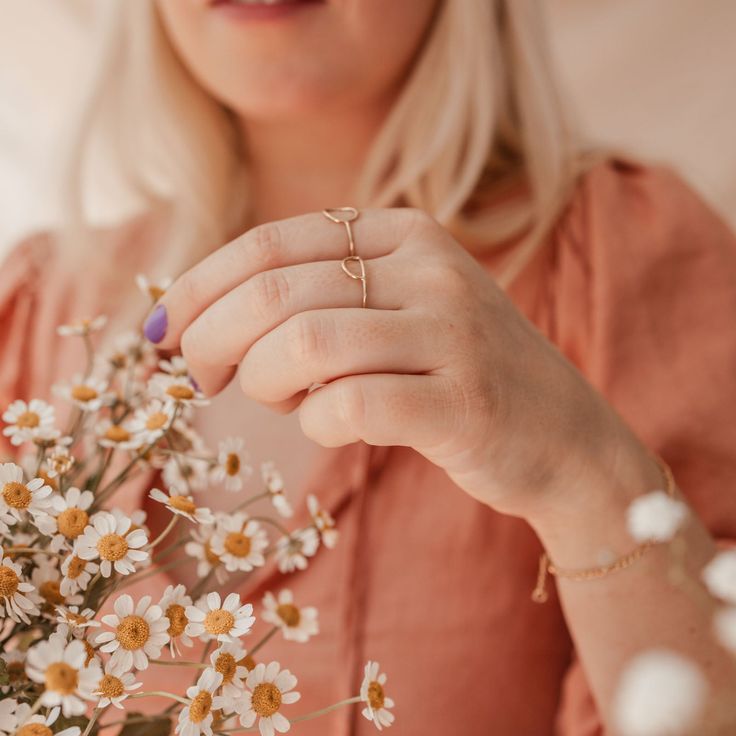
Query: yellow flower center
8, 582
183, 503
16, 671
75, 618
177, 619
62, 678
49, 591
226, 665
266, 699
200, 707
156, 292
237, 544
218, 621
132, 632
376, 696
76, 567
111, 686
90, 652
248, 662
83, 393
72, 521
112, 547
17, 495
232, 464
28, 420
115, 433
289, 614
156, 420
44, 476
180, 392
34, 729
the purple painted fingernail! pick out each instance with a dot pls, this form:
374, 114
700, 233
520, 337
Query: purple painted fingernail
194, 383
156, 324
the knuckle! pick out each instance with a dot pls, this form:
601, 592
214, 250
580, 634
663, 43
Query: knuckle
190, 344
351, 405
270, 292
189, 286
266, 245
311, 340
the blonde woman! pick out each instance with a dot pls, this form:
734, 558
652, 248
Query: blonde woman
537, 328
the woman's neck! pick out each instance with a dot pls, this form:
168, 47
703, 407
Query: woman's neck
308, 163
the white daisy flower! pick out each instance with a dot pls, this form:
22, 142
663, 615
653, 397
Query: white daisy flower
201, 549
77, 621
17, 496
108, 539
179, 389
114, 686
117, 436
196, 718
185, 474
82, 327
183, 506
150, 422
42, 723
211, 618
274, 483
323, 521
174, 603
292, 551
59, 461
719, 576
176, 365
268, 687
29, 421
239, 542
14, 601
296, 624
228, 659
139, 632
232, 467
87, 394
76, 574
655, 517
15, 668
60, 666
69, 514
46, 580
153, 289
372, 693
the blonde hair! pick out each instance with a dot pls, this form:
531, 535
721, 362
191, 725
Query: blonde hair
479, 115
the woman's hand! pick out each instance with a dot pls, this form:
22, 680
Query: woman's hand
441, 360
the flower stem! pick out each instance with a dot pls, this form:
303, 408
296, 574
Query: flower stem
161, 694
263, 641
177, 662
164, 533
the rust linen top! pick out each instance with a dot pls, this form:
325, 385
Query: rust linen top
636, 285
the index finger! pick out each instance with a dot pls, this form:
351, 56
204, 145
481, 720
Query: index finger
309, 237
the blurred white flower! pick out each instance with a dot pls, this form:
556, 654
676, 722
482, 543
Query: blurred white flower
183, 506
179, 389
139, 632
655, 517
185, 474
373, 694
201, 549
176, 365
227, 660
660, 694
153, 289
60, 666
117, 436
268, 687
231, 467
274, 483
42, 723
296, 624
46, 580
724, 626
323, 521
87, 394
76, 574
212, 618
108, 539
82, 327
29, 421
719, 576
174, 603
292, 551
239, 542
76, 620
150, 422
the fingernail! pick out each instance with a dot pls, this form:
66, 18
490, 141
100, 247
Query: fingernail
156, 324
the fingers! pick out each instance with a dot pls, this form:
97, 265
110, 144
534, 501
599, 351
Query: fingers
324, 344
306, 238
226, 330
380, 409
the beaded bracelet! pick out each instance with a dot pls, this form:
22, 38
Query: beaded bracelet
540, 595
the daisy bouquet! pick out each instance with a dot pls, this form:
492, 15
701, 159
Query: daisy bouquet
73, 640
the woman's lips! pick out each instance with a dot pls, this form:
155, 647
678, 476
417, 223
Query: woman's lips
260, 9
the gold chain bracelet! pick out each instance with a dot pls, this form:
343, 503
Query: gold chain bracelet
540, 595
